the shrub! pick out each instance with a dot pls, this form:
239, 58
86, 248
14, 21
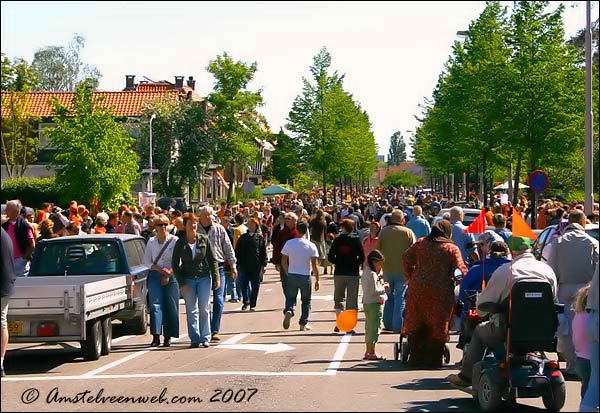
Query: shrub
33, 191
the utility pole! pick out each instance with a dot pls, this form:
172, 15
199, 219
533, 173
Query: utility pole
589, 142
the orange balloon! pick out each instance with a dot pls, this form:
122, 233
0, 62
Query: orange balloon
347, 320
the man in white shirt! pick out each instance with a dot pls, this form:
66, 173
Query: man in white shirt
524, 267
297, 257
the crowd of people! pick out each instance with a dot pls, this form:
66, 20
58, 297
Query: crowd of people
414, 270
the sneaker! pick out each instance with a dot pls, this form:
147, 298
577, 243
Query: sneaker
194, 345
373, 356
205, 344
305, 327
244, 307
167, 342
252, 308
459, 380
286, 319
234, 300
215, 337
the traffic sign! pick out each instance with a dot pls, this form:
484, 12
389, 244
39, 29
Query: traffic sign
147, 171
538, 181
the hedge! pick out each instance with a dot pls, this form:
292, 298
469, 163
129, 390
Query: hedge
33, 192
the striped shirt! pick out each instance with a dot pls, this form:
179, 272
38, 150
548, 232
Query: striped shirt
219, 240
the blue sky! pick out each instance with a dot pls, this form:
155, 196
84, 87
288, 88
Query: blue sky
391, 52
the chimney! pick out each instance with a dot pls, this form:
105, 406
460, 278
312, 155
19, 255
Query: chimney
178, 82
129, 79
191, 82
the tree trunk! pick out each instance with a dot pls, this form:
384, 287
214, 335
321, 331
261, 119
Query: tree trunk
516, 181
232, 183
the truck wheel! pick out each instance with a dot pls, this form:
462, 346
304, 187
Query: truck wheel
555, 400
92, 346
139, 325
489, 394
106, 335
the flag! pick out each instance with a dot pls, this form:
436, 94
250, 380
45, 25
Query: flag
477, 226
520, 227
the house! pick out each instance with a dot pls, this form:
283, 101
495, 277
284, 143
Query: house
127, 104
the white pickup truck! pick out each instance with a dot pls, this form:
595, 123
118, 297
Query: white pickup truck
76, 287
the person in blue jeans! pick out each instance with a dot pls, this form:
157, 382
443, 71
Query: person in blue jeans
163, 289
223, 250
297, 256
196, 269
394, 239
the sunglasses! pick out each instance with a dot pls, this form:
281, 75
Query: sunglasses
162, 224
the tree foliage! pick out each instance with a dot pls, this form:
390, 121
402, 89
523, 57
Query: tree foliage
397, 152
19, 140
95, 158
18, 75
235, 116
510, 94
60, 69
183, 143
331, 130
402, 178
285, 160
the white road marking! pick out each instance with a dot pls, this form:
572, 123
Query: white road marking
124, 359
178, 374
331, 370
232, 344
339, 354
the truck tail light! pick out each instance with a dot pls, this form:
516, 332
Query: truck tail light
47, 329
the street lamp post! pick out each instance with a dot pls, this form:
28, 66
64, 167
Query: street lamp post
150, 155
589, 143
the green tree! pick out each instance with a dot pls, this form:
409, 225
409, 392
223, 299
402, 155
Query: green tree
183, 143
397, 152
285, 160
17, 76
19, 140
95, 158
402, 178
547, 85
61, 69
236, 117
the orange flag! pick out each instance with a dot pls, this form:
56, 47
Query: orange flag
477, 226
520, 227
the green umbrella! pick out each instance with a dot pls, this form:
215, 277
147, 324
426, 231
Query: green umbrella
276, 190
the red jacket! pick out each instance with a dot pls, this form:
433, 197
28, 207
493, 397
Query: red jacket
283, 236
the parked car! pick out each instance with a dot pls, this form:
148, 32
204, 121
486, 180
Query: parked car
76, 286
545, 237
471, 215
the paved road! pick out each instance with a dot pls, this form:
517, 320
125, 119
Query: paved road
258, 367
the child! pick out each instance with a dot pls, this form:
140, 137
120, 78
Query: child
373, 299
580, 340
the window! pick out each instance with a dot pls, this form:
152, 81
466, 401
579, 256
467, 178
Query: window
77, 258
132, 252
44, 141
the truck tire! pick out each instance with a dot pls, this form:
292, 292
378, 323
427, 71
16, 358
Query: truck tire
138, 325
106, 335
92, 346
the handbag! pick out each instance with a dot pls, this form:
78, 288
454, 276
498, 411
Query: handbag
165, 277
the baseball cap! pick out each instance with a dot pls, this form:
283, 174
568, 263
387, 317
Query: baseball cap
488, 238
517, 243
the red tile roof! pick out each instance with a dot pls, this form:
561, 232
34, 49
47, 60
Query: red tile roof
127, 103
154, 87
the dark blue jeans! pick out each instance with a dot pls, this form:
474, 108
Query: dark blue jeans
218, 303
164, 305
295, 283
249, 284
